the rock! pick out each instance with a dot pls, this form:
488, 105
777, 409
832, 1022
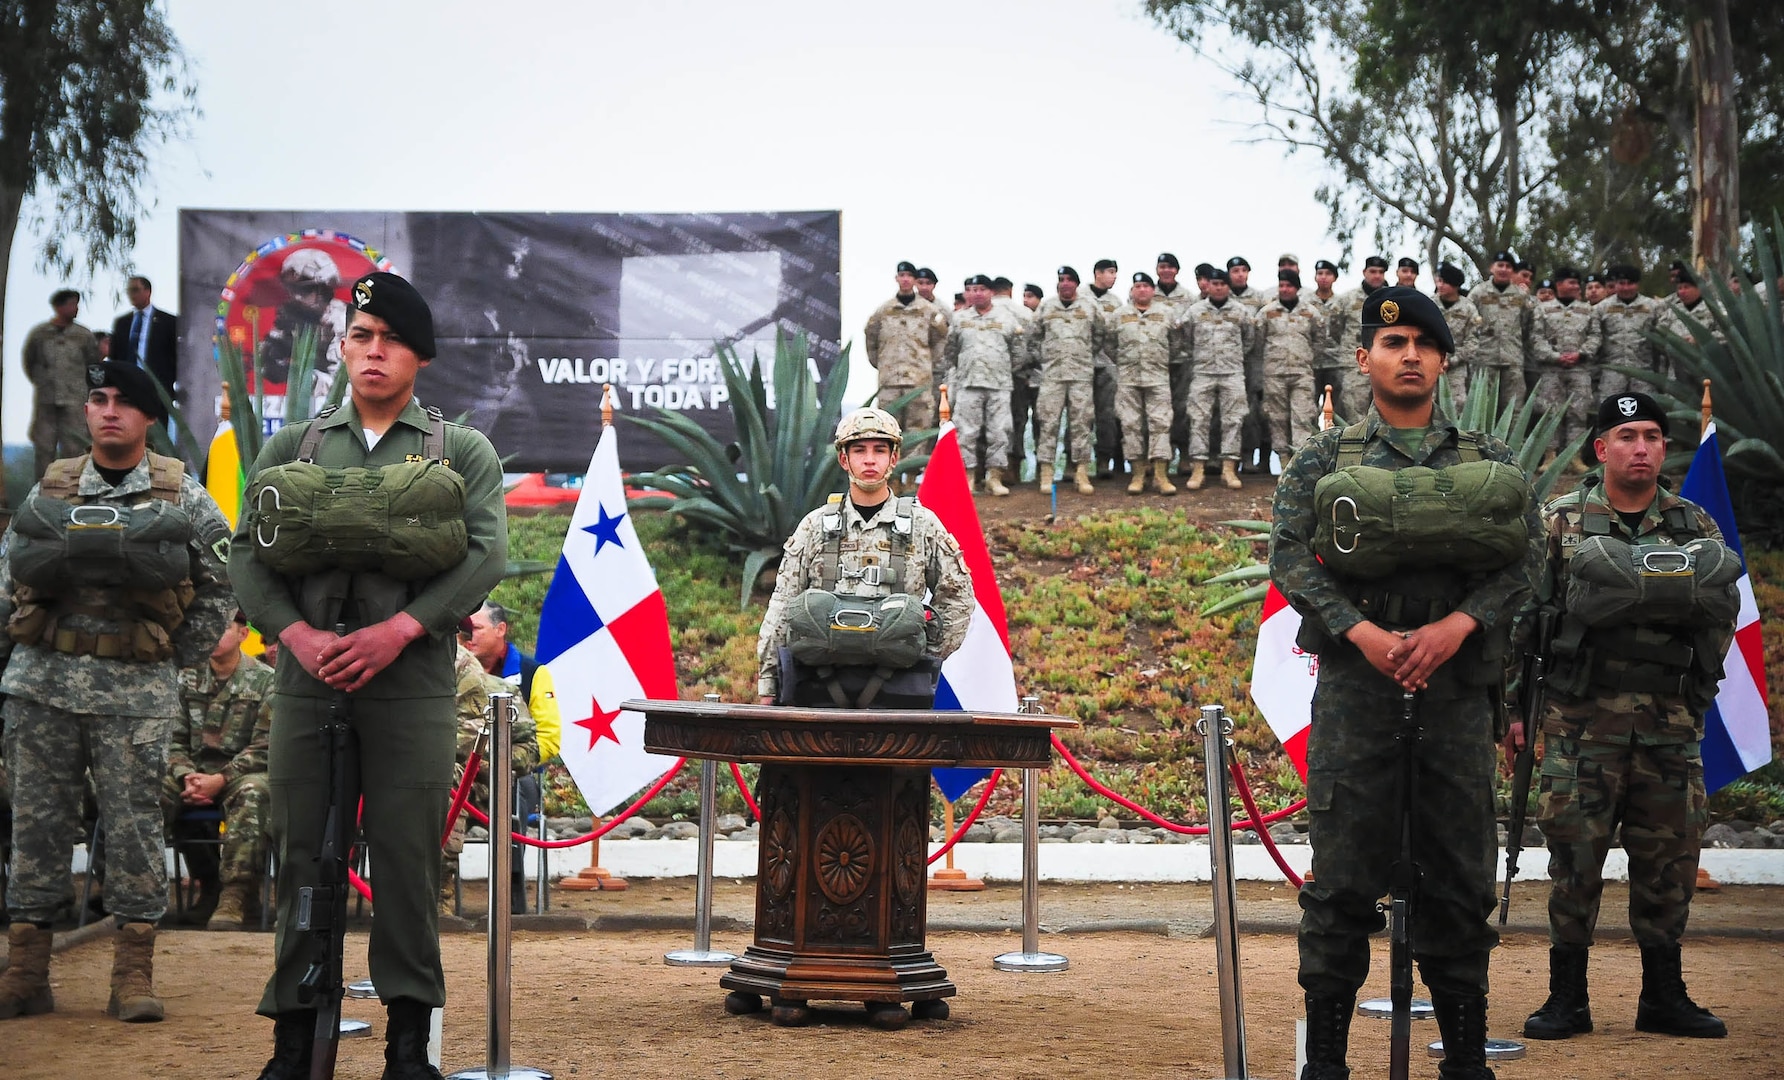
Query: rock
1721, 835
1000, 822
936, 835
729, 823
1776, 827
1007, 836
1284, 833
1245, 836
1047, 832
980, 833
1170, 837
1115, 836
1108, 823
1053, 840
1742, 826
746, 834
1763, 839
681, 830
1066, 832
650, 834
477, 832
1089, 836
1141, 836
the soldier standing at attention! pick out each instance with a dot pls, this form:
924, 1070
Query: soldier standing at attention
1169, 295
1575, 331
395, 662
1511, 333
983, 351
92, 653
1406, 273
1108, 421
1144, 339
1065, 339
1596, 289
1623, 723
1293, 332
56, 356
1464, 323
1218, 333
926, 281
1328, 367
1628, 318
1254, 433
1342, 332
868, 544
1429, 628
904, 337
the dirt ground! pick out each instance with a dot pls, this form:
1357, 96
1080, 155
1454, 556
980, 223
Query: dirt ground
1140, 1004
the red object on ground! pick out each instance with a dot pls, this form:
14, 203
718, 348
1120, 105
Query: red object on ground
545, 489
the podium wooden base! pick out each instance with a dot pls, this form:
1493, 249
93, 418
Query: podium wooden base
592, 878
950, 879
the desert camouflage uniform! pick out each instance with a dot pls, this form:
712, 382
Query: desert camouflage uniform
1254, 433
65, 714
1694, 323
1064, 341
1107, 386
1144, 341
1621, 762
1511, 338
1352, 755
904, 340
1464, 326
474, 687
1626, 327
1292, 340
983, 353
1344, 335
1330, 366
224, 729
56, 359
1178, 301
1218, 338
932, 552
1574, 327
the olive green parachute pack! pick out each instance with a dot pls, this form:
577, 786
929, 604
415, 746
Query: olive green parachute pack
1611, 582
405, 521
827, 630
1373, 522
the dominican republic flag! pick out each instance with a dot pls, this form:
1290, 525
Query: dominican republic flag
979, 675
604, 636
1282, 678
1737, 735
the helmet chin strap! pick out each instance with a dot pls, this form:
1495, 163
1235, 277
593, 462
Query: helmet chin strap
869, 486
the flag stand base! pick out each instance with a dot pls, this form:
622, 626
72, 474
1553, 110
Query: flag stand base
594, 877
948, 879
1706, 883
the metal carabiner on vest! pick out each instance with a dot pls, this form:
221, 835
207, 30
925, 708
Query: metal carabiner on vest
106, 516
260, 508
1356, 519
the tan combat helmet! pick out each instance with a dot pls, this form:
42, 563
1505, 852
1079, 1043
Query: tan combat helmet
868, 423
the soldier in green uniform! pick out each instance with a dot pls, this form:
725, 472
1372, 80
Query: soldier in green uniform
1431, 628
472, 706
395, 662
111, 578
1623, 723
218, 759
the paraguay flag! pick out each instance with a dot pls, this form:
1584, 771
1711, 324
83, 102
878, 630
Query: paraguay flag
979, 675
604, 636
1737, 735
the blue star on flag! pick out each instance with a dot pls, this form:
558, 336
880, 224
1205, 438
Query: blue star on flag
606, 530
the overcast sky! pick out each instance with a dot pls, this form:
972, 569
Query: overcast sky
1003, 138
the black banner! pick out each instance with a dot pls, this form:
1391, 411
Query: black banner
533, 313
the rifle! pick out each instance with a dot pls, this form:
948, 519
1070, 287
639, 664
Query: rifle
322, 907
1530, 704
1400, 892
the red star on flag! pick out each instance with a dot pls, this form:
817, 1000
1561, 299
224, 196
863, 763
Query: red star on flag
599, 724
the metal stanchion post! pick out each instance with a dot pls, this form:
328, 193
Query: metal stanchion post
1215, 729
501, 894
1031, 958
702, 954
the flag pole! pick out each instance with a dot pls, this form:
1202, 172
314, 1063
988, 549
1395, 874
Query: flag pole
948, 879
944, 410
1704, 881
1325, 409
594, 876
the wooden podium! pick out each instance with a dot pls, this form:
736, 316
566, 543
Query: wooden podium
841, 888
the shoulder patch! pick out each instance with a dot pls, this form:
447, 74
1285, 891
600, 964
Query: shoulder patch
220, 548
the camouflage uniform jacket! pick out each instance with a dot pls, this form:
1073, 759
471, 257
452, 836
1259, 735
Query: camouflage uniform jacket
1177, 301
1464, 323
1344, 333
1617, 716
56, 359
1293, 338
224, 727
95, 684
474, 687
984, 351
1511, 329
1253, 298
1143, 344
1108, 303
1064, 340
1625, 328
1575, 327
1694, 323
1327, 602
904, 339
1218, 337
932, 555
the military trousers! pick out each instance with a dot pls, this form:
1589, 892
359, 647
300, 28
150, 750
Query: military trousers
982, 413
1182, 373
1653, 795
1288, 403
49, 751
1615, 382
1353, 404
407, 791
1456, 376
1256, 437
1025, 420
919, 412
245, 802
1211, 396
1145, 421
1076, 401
1108, 418
1510, 383
1354, 766
1568, 390
57, 431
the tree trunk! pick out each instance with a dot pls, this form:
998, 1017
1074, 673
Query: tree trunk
1715, 168
11, 202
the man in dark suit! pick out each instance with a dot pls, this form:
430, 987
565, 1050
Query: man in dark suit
146, 335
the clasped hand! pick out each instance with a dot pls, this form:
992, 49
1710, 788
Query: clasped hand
1410, 657
350, 661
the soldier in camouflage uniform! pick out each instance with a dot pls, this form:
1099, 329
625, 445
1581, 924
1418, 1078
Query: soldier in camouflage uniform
867, 443
1575, 335
1065, 339
218, 758
1170, 295
1620, 753
1692, 318
1293, 333
1464, 324
474, 687
1512, 335
905, 336
1627, 318
1218, 333
1328, 367
1255, 446
91, 683
1144, 343
1343, 333
984, 351
1433, 630
1108, 420
56, 356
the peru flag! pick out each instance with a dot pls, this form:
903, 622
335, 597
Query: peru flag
604, 636
1282, 678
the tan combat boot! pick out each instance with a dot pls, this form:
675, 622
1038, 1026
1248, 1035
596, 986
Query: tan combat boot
1081, 475
25, 984
1197, 475
994, 482
1229, 473
1161, 478
972, 483
1137, 470
133, 997
1046, 479
231, 907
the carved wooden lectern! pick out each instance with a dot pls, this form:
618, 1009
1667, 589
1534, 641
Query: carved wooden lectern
841, 895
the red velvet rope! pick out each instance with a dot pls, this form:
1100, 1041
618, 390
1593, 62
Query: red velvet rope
743, 789
1257, 823
978, 808
521, 838
463, 794
1263, 834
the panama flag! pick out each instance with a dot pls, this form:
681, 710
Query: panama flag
979, 675
1282, 678
604, 636
1737, 736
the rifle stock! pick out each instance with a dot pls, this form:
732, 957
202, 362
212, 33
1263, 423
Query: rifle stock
322, 908
1530, 704
1400, 891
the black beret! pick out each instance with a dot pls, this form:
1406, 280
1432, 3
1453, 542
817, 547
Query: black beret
1686, 277
1563, 273
1031, 289
1450, 275
394, 300
907, 268
1504, 257
1376, 261
1522, 265
1625, 272
1545, 283
1001, 282
1105, 264
979, 279
1141, 277
1066, 271
1204, 269
1590, 278
1289, 276
1217, 274
1619, 409
1168, 259
1414, 263
1403, 305
1238, 260
134, 384
924, 273
1325, 264
1677, 266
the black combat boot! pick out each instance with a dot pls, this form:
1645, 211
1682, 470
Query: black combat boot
1462, 1021
1567, 1012
1328, 1036
1665, 1008
294, 1036
405, 1042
